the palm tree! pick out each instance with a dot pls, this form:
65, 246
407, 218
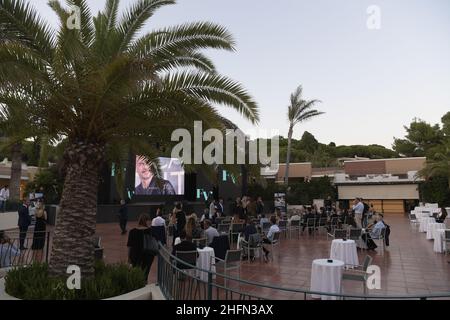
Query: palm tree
12, 117
298, 111
439, 165
106, 85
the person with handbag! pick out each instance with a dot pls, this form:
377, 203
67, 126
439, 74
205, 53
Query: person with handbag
141, 245
39, 231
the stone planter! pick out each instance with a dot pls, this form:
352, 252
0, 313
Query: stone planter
149, 292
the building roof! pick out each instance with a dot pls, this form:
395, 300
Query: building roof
389, 159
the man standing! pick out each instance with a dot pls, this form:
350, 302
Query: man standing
213, 207
24, 222
123, 216
221, 208
4, 196
328, 204
365, 214
259, 207
180, 218
358, 209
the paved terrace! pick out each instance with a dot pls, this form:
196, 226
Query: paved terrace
408, 266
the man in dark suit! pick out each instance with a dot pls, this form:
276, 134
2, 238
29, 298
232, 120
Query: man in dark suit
24, 222
184, 245
123, 216
221, 208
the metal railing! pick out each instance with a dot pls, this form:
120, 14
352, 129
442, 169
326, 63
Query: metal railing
12, 256
179, 280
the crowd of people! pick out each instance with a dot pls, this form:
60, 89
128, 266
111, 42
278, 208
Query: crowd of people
252, 214
254, 218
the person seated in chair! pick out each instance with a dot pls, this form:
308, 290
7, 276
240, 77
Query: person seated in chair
441, 216
323, 213
7, 251
295, 217
309, 215
263, 220
210, 231
333, 217
349, 218
249, 228
158, 221
278, 214
269, 238
184, 245
374, 232
192, 231
248, 231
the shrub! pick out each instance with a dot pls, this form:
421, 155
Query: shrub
436, 190
34, 283
13, 205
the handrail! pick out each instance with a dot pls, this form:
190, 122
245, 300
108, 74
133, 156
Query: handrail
210, 273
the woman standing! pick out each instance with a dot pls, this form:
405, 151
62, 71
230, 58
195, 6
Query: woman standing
192, 231
136, 255
179, 219
39, 231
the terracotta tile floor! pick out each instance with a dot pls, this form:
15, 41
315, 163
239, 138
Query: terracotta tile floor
408, 266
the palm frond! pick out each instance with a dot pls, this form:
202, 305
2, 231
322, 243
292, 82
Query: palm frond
187, 59
20, 23
189, 36
214, 88
18, 63
135, 17
111, 10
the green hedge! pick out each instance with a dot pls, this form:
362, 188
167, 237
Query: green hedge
299, 193
34, 283
13, 205
436, 190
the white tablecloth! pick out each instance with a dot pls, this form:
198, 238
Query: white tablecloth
439, 241
422, 214
424, 223
326, 277
432, 227
205, 256
344, 251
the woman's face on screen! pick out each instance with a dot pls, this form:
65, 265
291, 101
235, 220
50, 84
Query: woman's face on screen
143, 168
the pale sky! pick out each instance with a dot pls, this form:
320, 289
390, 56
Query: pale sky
371, 82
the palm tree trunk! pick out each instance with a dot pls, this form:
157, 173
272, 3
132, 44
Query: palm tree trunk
43, 152
16, 171
76, 221
288, 157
